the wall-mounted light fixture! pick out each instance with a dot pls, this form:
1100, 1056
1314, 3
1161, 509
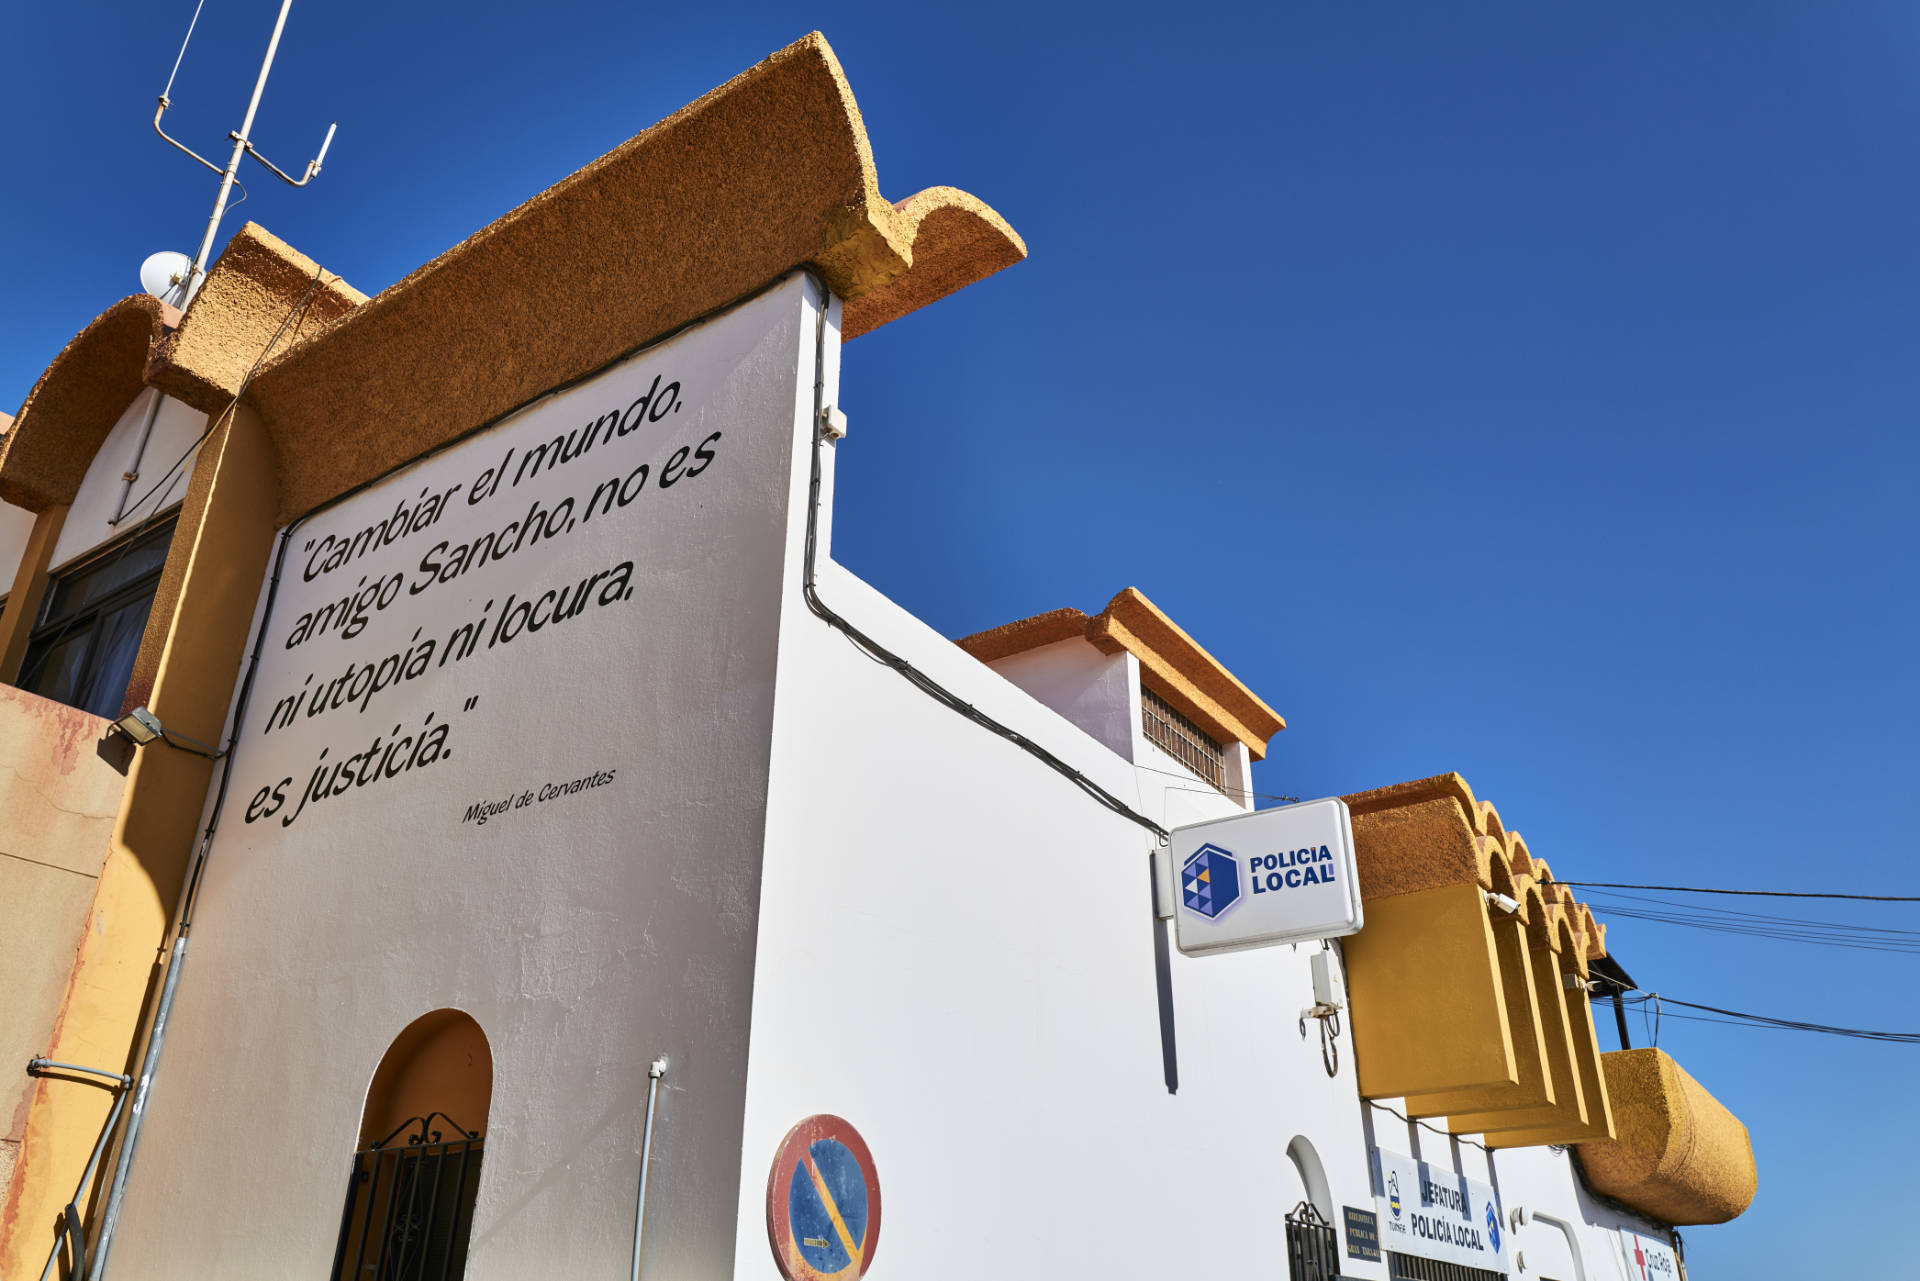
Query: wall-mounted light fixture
142, 727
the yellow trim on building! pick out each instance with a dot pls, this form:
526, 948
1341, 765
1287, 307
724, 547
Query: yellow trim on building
1412, 839
1680, 1155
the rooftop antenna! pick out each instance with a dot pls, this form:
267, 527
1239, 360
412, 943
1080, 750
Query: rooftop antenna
242, 145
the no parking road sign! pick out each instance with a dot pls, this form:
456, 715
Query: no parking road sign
823, 1202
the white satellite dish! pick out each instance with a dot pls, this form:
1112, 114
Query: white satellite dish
164, 275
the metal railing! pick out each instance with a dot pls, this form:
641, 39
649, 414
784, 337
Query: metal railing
1411, 1267
1313, 1247
1174, 733
410, 1205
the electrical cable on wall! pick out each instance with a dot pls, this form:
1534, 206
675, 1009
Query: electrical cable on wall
1330, 1043
1425, 1126
886, 657
1694, 889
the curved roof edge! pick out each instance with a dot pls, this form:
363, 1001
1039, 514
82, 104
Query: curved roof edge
256, 286
769, 171
76, 402
1680, 1155
1430, 832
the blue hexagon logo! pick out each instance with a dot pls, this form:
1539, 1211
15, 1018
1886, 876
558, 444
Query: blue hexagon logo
1493, 1227
1210, 881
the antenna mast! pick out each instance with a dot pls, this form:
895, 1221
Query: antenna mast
242, 145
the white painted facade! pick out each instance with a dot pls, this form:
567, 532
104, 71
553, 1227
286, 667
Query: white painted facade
176, 429
89, 522
812, 887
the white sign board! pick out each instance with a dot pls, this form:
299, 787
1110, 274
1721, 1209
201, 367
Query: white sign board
1274, 876
1438, 1213
1648, 1258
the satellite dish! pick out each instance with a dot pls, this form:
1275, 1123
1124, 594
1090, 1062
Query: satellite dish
164, 275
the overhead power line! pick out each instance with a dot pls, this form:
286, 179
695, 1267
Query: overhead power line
1795, 1025
1694, 889
1614, 905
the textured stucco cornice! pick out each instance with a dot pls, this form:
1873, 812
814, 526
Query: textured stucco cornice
1679, 1154
254, 288
77, 401
768, 172
1431, 832
1172, 663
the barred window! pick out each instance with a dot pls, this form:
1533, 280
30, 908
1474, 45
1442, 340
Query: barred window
1174, 733
1409, 1267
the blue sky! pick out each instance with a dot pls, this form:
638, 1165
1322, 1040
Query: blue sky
1526, 392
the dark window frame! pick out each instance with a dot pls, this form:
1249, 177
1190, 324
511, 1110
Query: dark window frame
52, 629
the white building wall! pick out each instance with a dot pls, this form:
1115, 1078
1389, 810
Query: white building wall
1567, 1236
957, 956
175, 430
959, 959
585, 936
816, 890
1098, 692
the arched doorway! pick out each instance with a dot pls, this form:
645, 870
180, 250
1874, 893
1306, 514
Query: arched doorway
1313, 1242
416, 1171
1313, 1175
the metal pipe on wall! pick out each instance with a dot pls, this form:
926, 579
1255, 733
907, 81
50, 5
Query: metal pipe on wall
183, 929
132, 474
93, 1163
655, 1070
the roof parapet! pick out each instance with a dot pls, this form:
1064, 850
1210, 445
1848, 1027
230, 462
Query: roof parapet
768, 172
255, 287
1172, 663
1680, 1156
76, 402
1463, 920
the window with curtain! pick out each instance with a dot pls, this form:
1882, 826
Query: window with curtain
81, 650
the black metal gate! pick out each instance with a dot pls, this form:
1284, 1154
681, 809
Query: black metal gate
410, 1205
1313, 1247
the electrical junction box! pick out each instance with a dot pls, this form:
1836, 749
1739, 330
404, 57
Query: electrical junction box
1328, 987
1282, 875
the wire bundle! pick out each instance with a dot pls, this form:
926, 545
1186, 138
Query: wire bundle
1793, 929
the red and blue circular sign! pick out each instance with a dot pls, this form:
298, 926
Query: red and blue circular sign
823, 1202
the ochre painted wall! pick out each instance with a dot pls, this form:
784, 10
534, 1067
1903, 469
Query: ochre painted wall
1429, 1013
1524, 1022
199, 629
29, 589
1569, 1107
1680, 1156
60, 786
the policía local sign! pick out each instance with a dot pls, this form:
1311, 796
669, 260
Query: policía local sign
1274, 876
1437, 1213
823, 1202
